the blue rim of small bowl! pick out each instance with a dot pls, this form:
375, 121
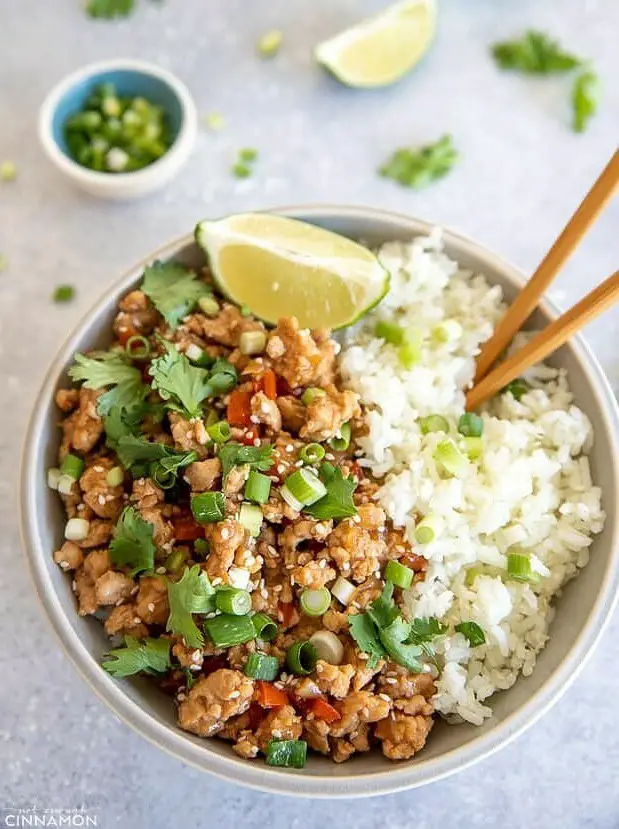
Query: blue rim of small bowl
281, 781
178, 151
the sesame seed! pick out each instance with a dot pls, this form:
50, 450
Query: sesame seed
281, 468
279, 685
101, 499
299, 464
385, 697
254, 419
277, 733
278, 588
225, 533
290, 448
257, 442
291, 579
81, 507
97, 468
264, 593
322, 563
264, 408
356, 519
151, 606
390, 680
137, 620
216, 581
64, 565
271, 549
160, 571
330, 456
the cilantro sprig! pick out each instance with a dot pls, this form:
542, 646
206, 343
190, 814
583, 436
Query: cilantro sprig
237, 454
163, 462
418, 166
104, 368
535, 53
585, 99
151, 656
132, 545
193, 593
338, 502
173, 289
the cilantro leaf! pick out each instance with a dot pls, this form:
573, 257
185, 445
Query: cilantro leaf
193, 593
107, 9
149, 655
128, 394
473, 632
338, 502
173, 289
132, 544
383, 610
164, 462
236, 454
394, 639
535, 53
418, 166
104, 368
585, 99
423, 630
365, 633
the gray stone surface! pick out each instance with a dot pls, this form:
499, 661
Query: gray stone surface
522, 173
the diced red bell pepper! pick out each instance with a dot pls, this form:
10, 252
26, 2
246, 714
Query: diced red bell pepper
323, 710
269, 384
125, 336
186, 528
239, 408
250, 436
268, 696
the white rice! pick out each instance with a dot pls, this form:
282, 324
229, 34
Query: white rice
531, 488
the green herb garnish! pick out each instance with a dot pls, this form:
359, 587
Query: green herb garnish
173, 289
473, 632
8, 171
63, 293
270, 43
585, 99
236, 454
193, 593
104, 368
418, 166
108, 9
338, 502
535, 53
132, 545
151, 656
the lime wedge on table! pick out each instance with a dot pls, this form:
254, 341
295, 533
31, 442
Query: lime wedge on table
381, 49
282, 267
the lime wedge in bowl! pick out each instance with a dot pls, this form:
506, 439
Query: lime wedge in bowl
283, 267
381, 49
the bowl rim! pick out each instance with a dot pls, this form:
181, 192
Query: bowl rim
262, 778
179, 149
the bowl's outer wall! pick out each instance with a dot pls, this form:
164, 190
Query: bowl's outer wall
580, 615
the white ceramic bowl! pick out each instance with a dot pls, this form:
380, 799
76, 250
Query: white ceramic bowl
130, 77
581, 612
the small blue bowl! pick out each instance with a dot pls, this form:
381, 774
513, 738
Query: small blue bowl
130, 78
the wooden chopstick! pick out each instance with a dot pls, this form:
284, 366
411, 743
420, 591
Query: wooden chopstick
526, 301
547, 341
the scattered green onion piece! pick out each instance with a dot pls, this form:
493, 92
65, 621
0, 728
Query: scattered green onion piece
8, 171
391, 332
138, 347
258, 487
201, 546
252, 342
471, 575
315, 602
72, 466
241, 170
66, 484
175, 561
233, 600
219, 431
214, 120
341, 443
227, 630
209, 306
473, 632
208, 507
303, 487
248, 155
194, 353
115, 476
409, 353
301, 658
4, 262
519, 568
343, 590
76, 529
427, 529
450, 458
63, 293
291, 754
433, 423
517, 388
473, 448
245, 310
164, 478
447, 331
328, 647
53, 478
471, 425
398, 574
269, 43
261, 666
312, 453
264, 626
311, 394
250, 516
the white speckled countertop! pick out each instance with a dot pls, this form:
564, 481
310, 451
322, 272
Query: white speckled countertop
522, 173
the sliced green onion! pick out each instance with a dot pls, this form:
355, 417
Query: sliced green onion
250, 516
519, 568
261, 666
209, 306
201, 546
473, 447
473, 632
427, 529
471, 425
175, 561
391, 332
240, 170
138, 347
194, 353
328, 647
248, 154
8, 171
471, 575
72, 466
303, 487
343, 590
115, 476
342, 442
66, 484
245, 310
265, 627
63, 293
233, 600
315, 602
312, 453
76, 529
433, 423
53, 478
301, 658
400, 575
227, 630
517, 388
290, 754
214, 120
410, 352
450, 458
252, 342
447, 331
208, 507
269, 43
310, 394
258, 487
164, 478
219, 432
